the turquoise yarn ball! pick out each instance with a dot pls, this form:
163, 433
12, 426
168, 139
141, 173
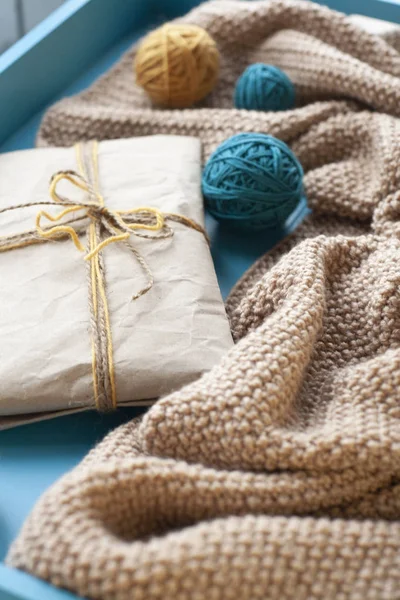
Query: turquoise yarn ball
253, 181
264, 87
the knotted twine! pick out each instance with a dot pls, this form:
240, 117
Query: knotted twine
102, 227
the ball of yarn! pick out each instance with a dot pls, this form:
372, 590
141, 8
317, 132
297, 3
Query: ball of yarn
177, 65
264, 87
253, 181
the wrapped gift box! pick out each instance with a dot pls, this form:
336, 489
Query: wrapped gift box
51, 360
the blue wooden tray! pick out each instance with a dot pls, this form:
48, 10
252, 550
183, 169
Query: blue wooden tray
62, 56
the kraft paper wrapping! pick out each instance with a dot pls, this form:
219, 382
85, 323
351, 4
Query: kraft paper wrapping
162, 340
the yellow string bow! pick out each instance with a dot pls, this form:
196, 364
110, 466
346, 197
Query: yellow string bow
112, 220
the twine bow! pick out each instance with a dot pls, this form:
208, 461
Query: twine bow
112, 220
120, 224
93, 217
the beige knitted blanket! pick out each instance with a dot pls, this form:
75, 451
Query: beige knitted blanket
276, 475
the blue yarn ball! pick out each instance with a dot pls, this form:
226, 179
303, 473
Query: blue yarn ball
253, 181
264, 87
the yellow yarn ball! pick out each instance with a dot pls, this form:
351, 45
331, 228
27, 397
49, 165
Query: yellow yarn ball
177, 65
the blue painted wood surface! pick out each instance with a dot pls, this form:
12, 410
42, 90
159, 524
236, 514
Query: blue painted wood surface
24, 137
53, 54
47, 64
15, 585
387, 10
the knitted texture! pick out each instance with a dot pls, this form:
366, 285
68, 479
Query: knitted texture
320, 50
277, 474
